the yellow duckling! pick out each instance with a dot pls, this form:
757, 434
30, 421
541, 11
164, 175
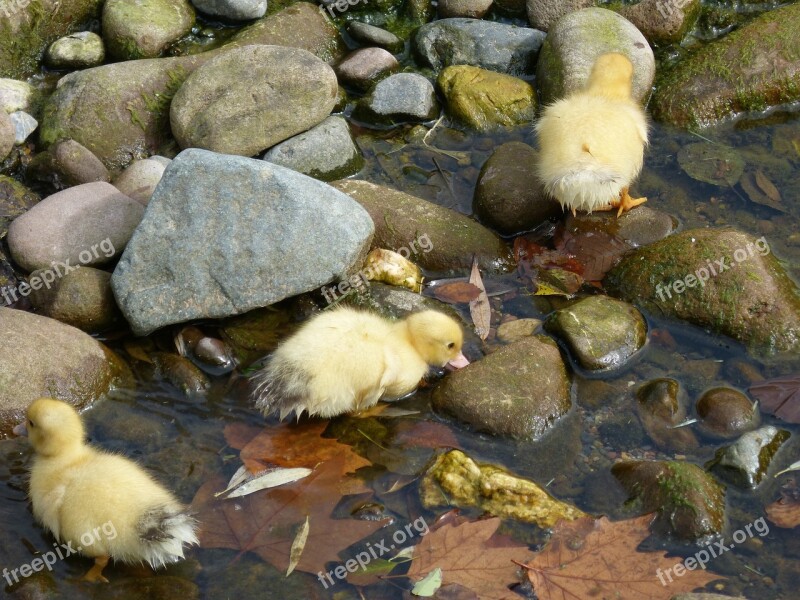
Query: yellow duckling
83, 494
345, 360
592, 142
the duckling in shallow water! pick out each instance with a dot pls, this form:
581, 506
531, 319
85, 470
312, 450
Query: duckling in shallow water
345, 360
592, 142
79, 493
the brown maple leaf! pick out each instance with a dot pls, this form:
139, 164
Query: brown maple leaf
470, 555
267, 522
590, 558
457, 292
290, 445
780, 397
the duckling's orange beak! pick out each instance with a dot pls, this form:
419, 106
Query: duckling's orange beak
459, 362
20, 429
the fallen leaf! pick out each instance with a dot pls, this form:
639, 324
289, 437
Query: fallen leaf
269, 479
530, 255
767, 187
762, 191
479, 308
265, 522
591, 558
471, 555
594, 248
289, 445
298, 545
425, 434
779, 396
785, 511
795, 466
457, 292
711, 163
428, 585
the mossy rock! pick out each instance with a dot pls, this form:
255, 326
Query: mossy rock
25, 33
751, 299
485, 100
144, 28
752, 68
402, 219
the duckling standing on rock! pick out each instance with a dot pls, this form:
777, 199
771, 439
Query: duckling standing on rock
80, 493
345, 360
592, 142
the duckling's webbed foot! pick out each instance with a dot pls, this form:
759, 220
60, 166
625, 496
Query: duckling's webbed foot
625, 202
95, 574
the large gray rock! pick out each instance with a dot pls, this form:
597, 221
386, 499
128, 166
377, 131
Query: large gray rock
42, 357
325, 152
518, 391
144, 28
87, 224
435, 238
280, 234
575, 42
251, 98
236, 10
720, 279
486, 44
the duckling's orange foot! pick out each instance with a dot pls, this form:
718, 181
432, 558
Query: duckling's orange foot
95, 574
625, 202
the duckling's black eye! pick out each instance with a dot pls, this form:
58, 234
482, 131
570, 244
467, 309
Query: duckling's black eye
30, 423
451, 345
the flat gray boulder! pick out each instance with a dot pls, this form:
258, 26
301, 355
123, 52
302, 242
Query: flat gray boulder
251, 98
225, 234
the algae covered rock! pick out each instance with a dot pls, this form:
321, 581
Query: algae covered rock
600, 332
751, 68
454, 479
689, 503
438, 238
484, 100
518, 391
720, 279
144, 28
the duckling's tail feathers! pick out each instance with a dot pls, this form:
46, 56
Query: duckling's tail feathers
276, 388
163, 531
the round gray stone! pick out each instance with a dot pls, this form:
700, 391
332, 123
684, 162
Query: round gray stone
77, 51
574, 43
399, 98
325, 152
140, 179
236, 10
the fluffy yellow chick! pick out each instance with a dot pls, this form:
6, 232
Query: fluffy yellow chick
345, 360
101, 505
592, 142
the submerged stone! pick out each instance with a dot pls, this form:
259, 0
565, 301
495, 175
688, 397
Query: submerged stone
745, 462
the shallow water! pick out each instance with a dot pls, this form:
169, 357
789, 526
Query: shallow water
180, 439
